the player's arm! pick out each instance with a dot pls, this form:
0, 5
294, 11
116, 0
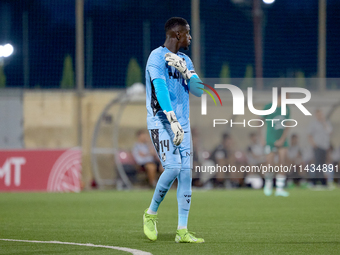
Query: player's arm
194, 83
163, 97
155, 67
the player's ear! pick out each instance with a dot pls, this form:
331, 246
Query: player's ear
177, 36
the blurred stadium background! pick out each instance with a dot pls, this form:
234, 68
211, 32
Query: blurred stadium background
64, 85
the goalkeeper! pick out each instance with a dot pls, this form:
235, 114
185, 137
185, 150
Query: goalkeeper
170, 76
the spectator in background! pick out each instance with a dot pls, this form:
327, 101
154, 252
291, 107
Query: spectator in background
145, 156
294, 153
334, 154
223, 155
336, 163
197, 157
319, 137
276, 148
333, 159
255, 151
294, 157
200, 160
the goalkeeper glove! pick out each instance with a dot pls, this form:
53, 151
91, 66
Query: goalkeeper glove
175, 127
179, 63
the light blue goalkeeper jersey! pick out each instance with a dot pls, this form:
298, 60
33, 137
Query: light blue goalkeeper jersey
157, 67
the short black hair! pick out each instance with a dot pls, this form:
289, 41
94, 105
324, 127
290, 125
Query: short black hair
294, 135
173, 22
252, 134
225, 136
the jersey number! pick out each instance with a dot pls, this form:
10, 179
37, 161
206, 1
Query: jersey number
165, 143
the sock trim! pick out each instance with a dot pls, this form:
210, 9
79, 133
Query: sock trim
149, 211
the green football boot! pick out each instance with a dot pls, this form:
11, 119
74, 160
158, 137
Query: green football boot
268, 190
150, 225
184, 236
281, 193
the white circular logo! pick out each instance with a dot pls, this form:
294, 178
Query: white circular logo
65, 175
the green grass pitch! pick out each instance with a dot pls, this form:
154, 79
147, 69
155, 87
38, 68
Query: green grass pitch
232, 222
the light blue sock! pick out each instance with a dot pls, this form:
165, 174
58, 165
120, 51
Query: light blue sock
184, 197
163, 185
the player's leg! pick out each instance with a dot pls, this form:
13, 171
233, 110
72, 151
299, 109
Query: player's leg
171, 161
184, 193
184, 197
269, 176
281, 177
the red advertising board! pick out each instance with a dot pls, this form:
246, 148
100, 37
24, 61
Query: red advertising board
40, 170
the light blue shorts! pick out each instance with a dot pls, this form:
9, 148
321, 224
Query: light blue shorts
170, 155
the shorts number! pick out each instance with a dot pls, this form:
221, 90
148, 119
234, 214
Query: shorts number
165, 143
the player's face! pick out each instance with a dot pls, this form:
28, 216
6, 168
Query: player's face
294, 140
319, 115
185, 37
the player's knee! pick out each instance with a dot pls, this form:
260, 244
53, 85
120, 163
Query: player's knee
186, 174
175, 169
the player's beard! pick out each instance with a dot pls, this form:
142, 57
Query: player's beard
186, 47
